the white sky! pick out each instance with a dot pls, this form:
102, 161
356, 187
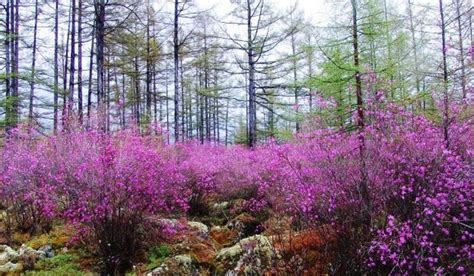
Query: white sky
318, 10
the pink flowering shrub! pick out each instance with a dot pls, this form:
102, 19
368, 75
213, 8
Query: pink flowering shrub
106, 185
396, 197
214, 170
27, 187
110, 194
419, 192
426, 226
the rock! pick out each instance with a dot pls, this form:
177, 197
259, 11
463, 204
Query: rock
48, 250
203, 253
7, 254
168, 222
28, 251
250, 256
223, 235
161, 270
10, 267
177, 265
200, 227
184, 260
221, 206
245, 224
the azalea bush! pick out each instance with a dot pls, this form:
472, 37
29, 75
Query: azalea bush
394, 197
111, 194
27, 185
106, 185
416, 216
218, 172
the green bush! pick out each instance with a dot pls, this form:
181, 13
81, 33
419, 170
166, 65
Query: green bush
156, 255
61, 264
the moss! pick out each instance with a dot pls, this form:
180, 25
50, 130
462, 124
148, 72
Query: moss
20, 238
57, 238
156, 256
61, 264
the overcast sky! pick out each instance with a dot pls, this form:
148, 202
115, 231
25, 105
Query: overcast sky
319, 12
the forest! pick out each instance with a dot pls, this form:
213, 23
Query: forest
236, 137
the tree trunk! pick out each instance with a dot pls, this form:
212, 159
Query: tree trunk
183, 107
137, 92
445, 76
65, 71
16, 65
295, 80
226, 122
357, 73
8, 47
461, 49
363, 184
79, 63
33, 68
70, 99
415, 48
167, 106
99, 6
252, 126
56, 67
176, 71
148, 96
91, 66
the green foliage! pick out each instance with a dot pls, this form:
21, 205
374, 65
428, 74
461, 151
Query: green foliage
61, 264
240, 136
57, 238
156, 255
8, 104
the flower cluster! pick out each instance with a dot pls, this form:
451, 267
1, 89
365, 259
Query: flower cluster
398, 195
106, 185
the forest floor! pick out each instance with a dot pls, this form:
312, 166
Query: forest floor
219, 238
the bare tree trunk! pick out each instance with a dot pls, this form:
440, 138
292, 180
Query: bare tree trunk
14, 83
363, 185
216, 102
107, 97
226, 122
91, 66
357, 74
33, 68
148, 66
8, 47
415, 47
295, 80
137, 92
176, 71
389, 49
167, 106
16, 65
183, 107
65, 71
445, 76
56, 67
461, 49
310, 75
122, 111
70, 99
99, 6
155, 98
252, 126
79, 63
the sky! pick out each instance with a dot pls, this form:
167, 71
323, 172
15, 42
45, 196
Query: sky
318, 10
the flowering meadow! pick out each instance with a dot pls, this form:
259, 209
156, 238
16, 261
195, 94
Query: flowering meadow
392, 198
